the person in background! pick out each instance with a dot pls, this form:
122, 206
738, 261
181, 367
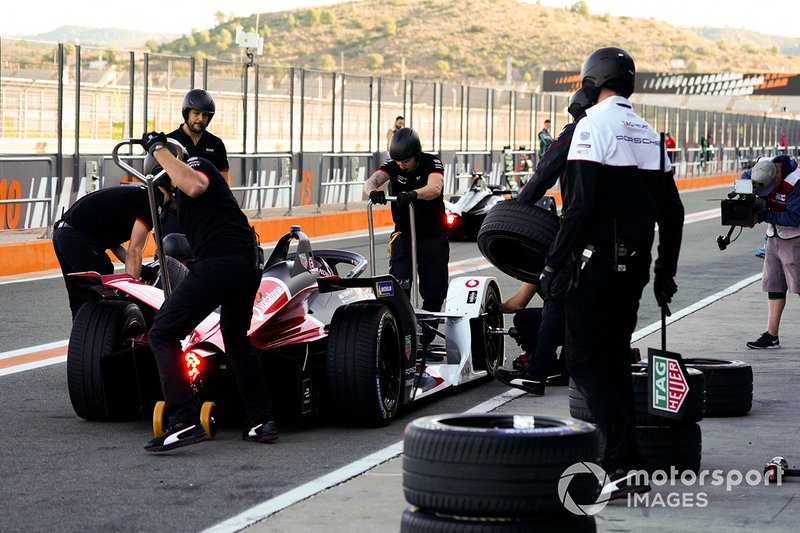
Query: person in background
669, 144
198, 109
399, 122
776, 180
545, 139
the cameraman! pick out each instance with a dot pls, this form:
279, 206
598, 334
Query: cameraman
775, 180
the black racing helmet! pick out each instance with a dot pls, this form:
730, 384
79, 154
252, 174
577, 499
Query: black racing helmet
177, 245
609, 67
405, 144
200, 100
578, 104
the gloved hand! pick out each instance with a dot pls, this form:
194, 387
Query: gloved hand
545, 280
377, 197
664, 288
154, 140
406, 197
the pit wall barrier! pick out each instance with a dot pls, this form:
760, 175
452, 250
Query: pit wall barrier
37, 255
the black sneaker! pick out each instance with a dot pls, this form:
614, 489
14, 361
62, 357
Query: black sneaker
558, 380
764, 341
621, 483
262, 432
176, 436
520, 380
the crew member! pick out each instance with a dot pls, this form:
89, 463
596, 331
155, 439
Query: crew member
226, 273
543, 332
615, 191
778, 179
198, 109
416, 177
99, 221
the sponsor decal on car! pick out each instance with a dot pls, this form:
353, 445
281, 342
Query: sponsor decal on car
407, 343
472, 283
384, 288
472, 297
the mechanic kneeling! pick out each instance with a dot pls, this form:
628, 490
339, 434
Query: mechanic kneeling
226, 272
416, 177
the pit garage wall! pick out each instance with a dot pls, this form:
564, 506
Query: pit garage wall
30, 180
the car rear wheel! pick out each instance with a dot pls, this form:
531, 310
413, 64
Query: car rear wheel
101, 370
364, 368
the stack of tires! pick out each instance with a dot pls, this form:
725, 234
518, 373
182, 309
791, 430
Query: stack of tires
496, 473
664, 443
729, 386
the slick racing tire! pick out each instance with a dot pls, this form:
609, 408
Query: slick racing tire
496, 465
515, 237
488, 349
364, 366
101, 371
694, 409
729, 386
664, 447
417, 521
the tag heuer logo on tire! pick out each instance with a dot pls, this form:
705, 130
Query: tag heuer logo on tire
670, 387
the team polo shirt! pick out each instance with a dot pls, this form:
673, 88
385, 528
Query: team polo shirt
214, 223
208, 147
108, 215
429, 214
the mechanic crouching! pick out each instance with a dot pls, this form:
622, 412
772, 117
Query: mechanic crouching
614, 193
416, 177
778, 179
226, 272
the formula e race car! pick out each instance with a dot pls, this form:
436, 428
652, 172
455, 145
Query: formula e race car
331, 339
464, 214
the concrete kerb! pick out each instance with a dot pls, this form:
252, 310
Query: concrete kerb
23, 251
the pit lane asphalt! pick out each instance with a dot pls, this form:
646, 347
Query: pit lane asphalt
95, 477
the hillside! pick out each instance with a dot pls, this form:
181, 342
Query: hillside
112, 37
786, 45
472, 39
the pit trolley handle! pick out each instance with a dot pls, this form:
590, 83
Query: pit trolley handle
150, 182
413, 225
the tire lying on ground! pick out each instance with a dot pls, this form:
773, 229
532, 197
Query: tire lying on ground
729, 386
515, 237
417, 521
495, 465
664, 447
694, 409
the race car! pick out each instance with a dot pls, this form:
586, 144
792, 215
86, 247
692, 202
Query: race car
464, 214
331, 340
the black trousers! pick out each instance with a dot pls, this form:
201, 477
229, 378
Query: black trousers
433, 255
77, 252
600, 317
230, 282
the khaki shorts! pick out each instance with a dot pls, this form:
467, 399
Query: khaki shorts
782, 266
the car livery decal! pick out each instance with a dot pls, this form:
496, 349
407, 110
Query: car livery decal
384, 288
407, 342
472, 283
472, 297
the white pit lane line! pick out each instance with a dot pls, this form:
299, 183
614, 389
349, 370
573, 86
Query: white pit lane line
312, 488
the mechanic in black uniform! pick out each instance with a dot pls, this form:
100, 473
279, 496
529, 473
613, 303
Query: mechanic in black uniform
415, 177
226, 272
99, 221
542, 330
198, 109
614, 193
